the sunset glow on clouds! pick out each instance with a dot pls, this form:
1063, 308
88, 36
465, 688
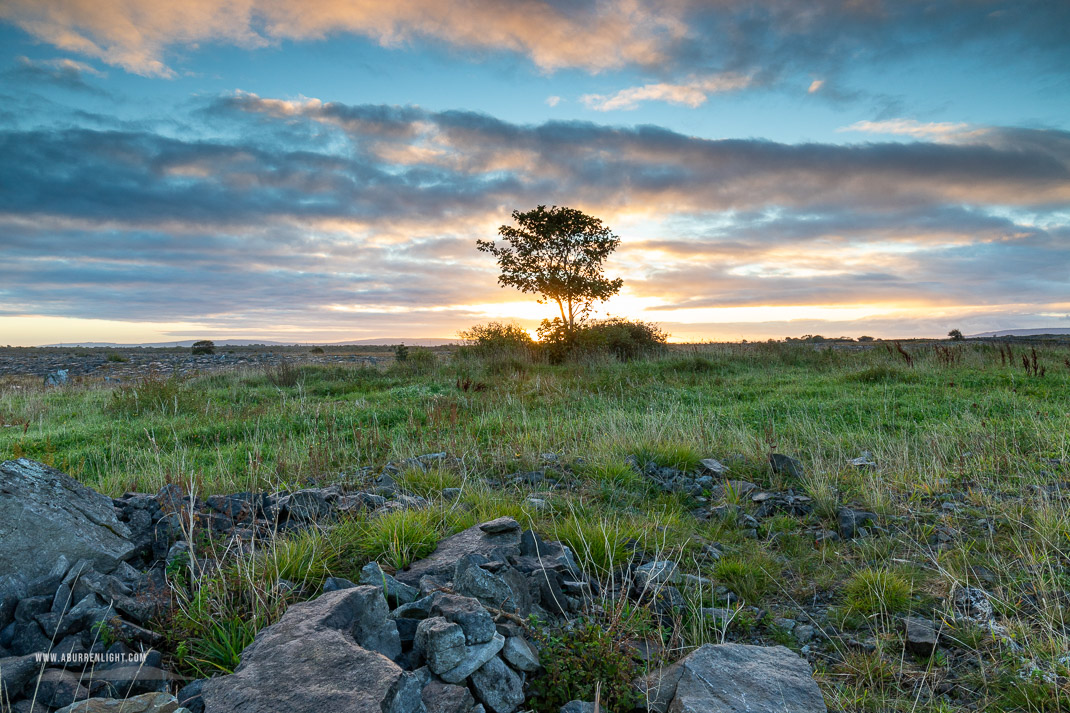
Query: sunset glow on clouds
321, 172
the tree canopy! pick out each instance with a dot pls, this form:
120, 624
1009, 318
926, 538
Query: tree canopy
557, 253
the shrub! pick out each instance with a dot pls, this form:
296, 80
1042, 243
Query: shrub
401, 353
203, 346
498, 338
315, 350
284, 374
115, 357
622, 338
877, 591
577, 660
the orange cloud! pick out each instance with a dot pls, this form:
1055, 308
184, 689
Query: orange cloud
692, 94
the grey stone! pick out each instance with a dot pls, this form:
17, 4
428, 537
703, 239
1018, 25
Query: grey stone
419, 609
61, 377
474, 620
803, 633
15, 673
189, 696
501, 525
397, 593
655, 574
921, 636
850, 521
45, 513
786, 465
733, 678
712, 466
58, 688
442, 697
333, 584
12, 590
520, 654
144, 703
314, 660
305, 505
442, 561
474, 657
578, 707
498, 687
471, 580
441, 642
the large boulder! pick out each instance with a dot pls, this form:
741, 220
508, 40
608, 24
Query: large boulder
733, 678
145, 703
330, 654
45, 514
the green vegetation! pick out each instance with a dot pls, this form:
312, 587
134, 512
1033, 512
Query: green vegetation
967, 449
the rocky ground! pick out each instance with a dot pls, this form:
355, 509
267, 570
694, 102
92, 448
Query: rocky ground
87, 580
129, 364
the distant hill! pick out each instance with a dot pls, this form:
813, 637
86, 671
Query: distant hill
1022, 332
412, 342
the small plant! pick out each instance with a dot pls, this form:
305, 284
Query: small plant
748, 577
428, 483
203, 346
395, 539
401, 353
877, 592
284, 374
316, 350
580, 660
599, 544
116, 357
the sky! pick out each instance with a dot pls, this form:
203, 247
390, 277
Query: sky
320, 172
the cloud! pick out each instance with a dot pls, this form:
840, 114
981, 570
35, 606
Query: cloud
769, 40
815, 86
299, 211
916, 129
553, 100
692, 94
61, 72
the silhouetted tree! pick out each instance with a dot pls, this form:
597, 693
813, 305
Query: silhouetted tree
558, 255
956, 335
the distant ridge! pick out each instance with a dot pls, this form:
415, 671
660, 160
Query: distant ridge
1022, 332
377, 341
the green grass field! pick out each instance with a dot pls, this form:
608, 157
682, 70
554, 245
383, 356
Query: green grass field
963, 488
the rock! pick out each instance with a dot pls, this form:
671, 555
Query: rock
733, 678
803, 633
921, 636
144, 703
501, 525
864, 461
189, 696
58, 688
441, 562
714, 467
474, 658
439, 697
520, 654
314, 660
333, 584
305, 505
786, 465
655, 574
849, 521
973, 603
578, 707
396, 592
15, 673
58, 378
441, 642
497, 687
474, 620
45, 514
12, 589
492, 590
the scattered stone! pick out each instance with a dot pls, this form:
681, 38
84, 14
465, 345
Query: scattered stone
733, 678
396, 592
58, 688
475, 657
520, 654
474, 620
578, 707
441, 642
58, 378
786, 465
144, 703
655, 574
15, 673
45, 514
712, 466
439, 697
498, 687
850, 521
502, 524
493, 546
921, 635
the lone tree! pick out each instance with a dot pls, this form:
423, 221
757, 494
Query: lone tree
558, 255
956, 335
